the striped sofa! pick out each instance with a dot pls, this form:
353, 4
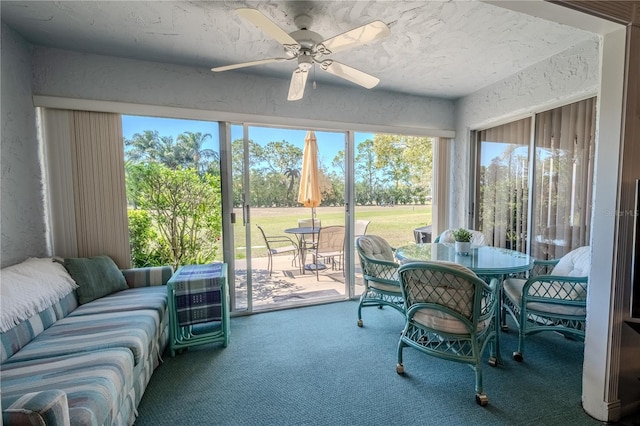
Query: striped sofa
86, 364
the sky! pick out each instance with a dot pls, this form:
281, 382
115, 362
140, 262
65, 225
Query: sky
329, 143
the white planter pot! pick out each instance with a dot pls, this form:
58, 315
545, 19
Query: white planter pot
463, 247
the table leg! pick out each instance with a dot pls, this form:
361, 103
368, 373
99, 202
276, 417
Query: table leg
301, 252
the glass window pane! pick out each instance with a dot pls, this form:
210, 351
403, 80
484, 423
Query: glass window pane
502, 190
564, 145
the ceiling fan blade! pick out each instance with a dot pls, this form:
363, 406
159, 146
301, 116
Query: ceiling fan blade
357, 36
249, 64
266, 25
351, 74
298, 83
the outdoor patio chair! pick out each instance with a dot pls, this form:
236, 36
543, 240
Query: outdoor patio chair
360, 227
275, 246
478, 239
329, 248
380, 275
554, 301
450, 314
308, 223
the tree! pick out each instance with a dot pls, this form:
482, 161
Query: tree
187, 151
404, 160
147, 249
193, 152
281, 156
292, 174
365, 168
184, 207
338, 161
143, 146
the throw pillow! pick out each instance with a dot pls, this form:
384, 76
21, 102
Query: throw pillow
96, 277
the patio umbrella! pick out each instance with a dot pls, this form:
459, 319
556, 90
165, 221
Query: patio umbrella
309, 192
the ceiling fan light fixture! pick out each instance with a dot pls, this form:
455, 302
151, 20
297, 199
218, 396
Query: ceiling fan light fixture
305, 61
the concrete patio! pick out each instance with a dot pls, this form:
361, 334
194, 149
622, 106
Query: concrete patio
287, 286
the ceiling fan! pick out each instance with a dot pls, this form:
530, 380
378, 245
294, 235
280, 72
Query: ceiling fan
311, 48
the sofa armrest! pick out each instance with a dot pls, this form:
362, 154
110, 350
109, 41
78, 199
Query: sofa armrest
48, 407
149, 276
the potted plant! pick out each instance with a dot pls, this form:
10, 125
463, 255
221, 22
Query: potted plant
463, 240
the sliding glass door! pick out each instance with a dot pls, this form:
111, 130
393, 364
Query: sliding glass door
266, 173
550, 203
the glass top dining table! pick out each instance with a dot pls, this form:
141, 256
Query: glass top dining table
484, 260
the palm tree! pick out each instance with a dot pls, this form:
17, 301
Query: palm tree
150, 147
143, 146
291, 174
194, 154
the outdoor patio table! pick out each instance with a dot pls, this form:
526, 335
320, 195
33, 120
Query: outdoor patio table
486, 261
300, 233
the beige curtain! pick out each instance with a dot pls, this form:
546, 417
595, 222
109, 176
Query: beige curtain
440, 185
86, 184
564, 147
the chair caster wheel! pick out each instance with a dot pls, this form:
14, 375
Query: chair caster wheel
379, 306
493, 361
482, 399
517, 356
359, 323
504, 328
400, 369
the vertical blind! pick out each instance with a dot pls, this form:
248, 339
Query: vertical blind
561, 190
87, 194
440, 199
564, 146
503, 182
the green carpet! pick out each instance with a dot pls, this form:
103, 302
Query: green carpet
314, 366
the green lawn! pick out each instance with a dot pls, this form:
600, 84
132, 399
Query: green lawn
395, 224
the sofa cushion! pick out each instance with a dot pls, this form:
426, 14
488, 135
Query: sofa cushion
135, 331
96, 277
96, 384
148, 276
133, 299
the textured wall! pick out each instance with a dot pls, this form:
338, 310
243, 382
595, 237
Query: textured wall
560, 79
74, 75
22, 222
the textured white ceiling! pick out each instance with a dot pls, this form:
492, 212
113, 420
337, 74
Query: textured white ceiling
436, 48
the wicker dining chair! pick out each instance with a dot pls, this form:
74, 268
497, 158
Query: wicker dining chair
380, 275
551, 301
450, 314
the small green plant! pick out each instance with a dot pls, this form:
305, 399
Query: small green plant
462, 235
